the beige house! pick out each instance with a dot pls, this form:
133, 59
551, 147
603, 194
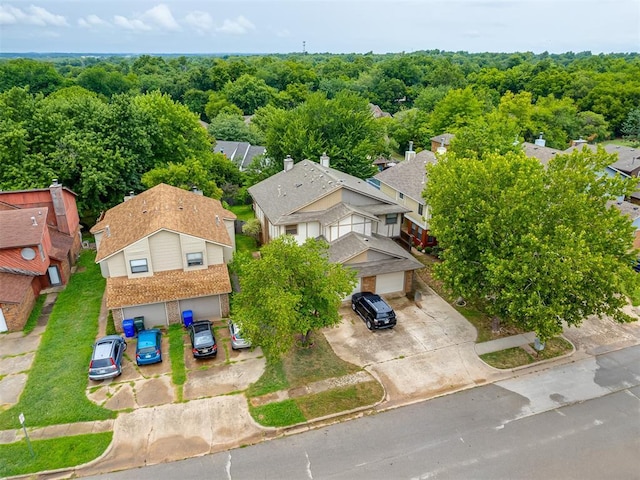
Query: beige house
360, 223
165, 251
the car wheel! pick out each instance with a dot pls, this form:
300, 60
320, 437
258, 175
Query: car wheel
369, 325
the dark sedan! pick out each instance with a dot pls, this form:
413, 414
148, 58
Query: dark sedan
203, 341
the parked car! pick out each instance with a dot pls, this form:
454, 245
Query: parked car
375, 312
149, 347
203, 341
237, 341
106, 359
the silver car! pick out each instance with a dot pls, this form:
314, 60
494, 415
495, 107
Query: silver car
237, 341
106, 360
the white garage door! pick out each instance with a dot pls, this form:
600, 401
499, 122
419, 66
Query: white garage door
202, 307
355, 289
390, 283
155, 314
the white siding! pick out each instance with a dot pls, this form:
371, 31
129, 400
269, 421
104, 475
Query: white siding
350, 223
116, 266
165, 251
137, 251
231, 230
214, 254
193, 245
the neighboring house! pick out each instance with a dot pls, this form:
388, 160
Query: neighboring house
539, 151
165, 251
441, 141
405, 183
39, 243
240, 153
311, 200
377, 112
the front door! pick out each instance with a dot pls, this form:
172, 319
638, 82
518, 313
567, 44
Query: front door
54, 275
3, 322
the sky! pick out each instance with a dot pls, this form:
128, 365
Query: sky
333, 26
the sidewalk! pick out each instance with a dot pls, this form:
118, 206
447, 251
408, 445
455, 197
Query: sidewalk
505, 343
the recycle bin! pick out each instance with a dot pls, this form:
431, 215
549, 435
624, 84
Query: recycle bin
128, 327
138, 322
187, 317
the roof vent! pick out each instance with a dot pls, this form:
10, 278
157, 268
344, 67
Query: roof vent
541, 142
217, 220
108, 230
144, 206
33, 221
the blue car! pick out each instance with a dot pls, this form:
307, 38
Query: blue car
149, 347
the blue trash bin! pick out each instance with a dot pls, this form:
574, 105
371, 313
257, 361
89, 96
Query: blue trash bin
187, 317
129, 328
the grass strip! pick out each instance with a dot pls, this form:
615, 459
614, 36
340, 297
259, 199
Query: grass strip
272, 380
55, 389
243, 212
51, 454
176, 354
32, 321
278, 414
340, 399
518, 357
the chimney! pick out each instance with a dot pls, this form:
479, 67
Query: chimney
288, 163
130, 196
578, 143
196, 190
409, 154
324, 160
541, 142
59, 208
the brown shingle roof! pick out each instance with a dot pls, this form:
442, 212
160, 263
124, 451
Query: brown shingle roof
162, 207
18, 229
167, 286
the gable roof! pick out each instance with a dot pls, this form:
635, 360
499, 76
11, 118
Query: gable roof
409, 176
13, 287
353, 244
628, 158
286, 192
240, 153
162, 207
443, 136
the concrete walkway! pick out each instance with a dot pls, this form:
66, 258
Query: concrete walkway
505, 343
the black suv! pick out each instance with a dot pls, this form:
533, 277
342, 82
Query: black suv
203, 341
375, 312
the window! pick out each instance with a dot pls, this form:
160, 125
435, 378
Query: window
400, 195
194, 259
291, 229
391, 219
139, 266
420, 209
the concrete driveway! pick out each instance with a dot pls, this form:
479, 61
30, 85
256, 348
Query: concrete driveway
429, 351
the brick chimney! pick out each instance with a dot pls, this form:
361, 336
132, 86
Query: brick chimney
59, 208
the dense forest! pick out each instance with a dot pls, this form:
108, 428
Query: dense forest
104, 126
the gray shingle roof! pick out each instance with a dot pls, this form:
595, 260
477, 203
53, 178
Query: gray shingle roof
409, 176
286, 192
628, 158
240, 153
543, 154
353, 244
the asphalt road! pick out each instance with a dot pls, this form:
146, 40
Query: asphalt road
580, 420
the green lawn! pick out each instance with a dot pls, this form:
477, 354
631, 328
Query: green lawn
32, 321
176, 354
518, 357
55, 389
301, 367
51, 454
243, 212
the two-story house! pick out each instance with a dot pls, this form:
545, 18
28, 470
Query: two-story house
39, 243
164, 251
405, 182
311, 200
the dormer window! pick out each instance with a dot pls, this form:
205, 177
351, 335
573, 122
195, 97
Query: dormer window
195, 259
139, 266
391, 219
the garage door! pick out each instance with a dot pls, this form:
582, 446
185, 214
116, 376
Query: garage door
355, 290
155, 314
390, 283
202, 307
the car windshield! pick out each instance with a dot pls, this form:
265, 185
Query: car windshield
203, 339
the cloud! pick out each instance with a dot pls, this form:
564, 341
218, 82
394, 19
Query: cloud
33, 15
239, 26
161, 15
92, 21
133, 24
201, 21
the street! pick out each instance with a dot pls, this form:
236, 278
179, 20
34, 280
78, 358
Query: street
580, 420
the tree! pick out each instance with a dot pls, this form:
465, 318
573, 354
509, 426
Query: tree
291, 289
457, 109
343, 128
249, 93
539, 248
631, 126
232, 128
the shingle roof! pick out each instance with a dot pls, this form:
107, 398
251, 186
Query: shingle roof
166, 286
13, 287
61, 244
629, 209
22, 227
288, 191
446, 136
409, 176
353, 244
628, 158
240, 153
162, 207
543, 154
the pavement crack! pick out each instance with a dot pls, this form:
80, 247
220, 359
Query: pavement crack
228, 466
309, 474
